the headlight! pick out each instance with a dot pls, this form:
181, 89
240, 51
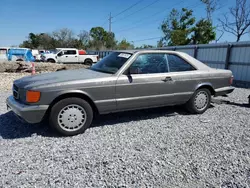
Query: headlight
33, 96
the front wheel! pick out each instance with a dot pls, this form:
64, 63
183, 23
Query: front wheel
199, 102
51, 61
71, 116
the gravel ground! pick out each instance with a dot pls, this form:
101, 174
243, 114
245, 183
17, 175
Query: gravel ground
163, 147
6, 80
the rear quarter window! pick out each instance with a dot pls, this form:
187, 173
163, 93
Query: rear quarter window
177, 64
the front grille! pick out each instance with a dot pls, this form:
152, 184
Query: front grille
15, 87
15, 92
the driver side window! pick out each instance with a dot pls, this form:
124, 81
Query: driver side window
60, 54
149, 64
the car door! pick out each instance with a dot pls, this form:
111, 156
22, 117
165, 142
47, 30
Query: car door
148, 84
181, 73
70, 56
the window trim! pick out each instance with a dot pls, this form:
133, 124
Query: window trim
69, 50
194, 68
147, 53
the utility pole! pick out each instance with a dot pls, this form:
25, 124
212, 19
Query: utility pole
110, 22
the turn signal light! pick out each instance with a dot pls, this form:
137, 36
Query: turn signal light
33, 96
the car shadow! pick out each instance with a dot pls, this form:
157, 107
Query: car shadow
11, 127
222, 101
137, 115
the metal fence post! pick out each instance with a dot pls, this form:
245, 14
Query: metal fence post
229, 46
195, 51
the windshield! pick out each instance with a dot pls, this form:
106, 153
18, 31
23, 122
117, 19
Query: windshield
111, 63
55, 51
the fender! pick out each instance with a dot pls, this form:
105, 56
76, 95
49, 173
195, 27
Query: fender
204, 84
73, 92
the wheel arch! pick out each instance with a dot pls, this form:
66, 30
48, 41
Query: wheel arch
48, 60
77, 94
88, 59
206, 85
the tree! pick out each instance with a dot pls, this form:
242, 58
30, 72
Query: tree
203, 32
145, 46
46, 41
64, 37
124, 45
160, 43
178, 26
210, 8
180, 29
241, 16
109, 40
84, 38
32, 42
98, 35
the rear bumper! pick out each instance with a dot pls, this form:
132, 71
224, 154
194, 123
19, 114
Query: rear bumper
223, 91
31, 114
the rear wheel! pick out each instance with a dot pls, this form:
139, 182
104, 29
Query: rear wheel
199, 102
88, 62
71, 116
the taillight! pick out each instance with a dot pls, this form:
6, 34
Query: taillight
97, 57
231, 80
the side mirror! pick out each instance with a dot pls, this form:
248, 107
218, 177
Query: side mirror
60, 54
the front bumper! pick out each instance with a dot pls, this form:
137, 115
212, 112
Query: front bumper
30, 113
223, 91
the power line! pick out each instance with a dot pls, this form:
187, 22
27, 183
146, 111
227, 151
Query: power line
146, 39
128, 8
191, 7
104, 23
145, 19
110, 18
137, 11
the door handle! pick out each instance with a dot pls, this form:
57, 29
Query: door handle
75, 56
167, 79
66, 56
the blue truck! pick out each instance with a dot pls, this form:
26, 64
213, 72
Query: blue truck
16, 54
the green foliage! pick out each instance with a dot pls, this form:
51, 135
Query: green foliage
101, 38
145, 46
180, 29
160, 43
203, 32
60, 38
110, 42
124, 45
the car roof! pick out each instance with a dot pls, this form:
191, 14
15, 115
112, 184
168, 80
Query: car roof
147, 51
66, 48
193, 61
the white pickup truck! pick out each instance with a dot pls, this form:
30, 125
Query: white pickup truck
69, 55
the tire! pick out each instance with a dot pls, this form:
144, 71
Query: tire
71, 112
88, 62
51, 61
199, 102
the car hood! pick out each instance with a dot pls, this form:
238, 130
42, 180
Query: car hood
58, 77
49, 55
